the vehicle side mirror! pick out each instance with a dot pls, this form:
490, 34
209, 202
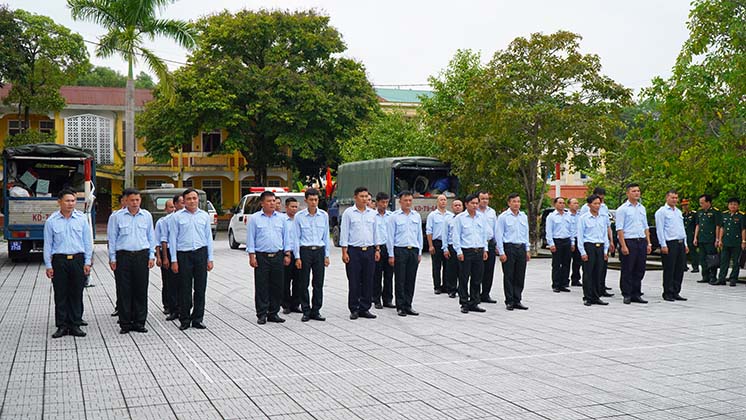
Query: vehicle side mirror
234, 210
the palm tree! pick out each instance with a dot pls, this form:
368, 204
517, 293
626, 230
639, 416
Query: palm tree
129, 23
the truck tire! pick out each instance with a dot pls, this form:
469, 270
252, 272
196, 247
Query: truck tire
232, 241
335, 235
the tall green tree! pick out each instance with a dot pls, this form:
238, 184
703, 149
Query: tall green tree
49, 56
128, 24
107, 77
10, 45
537, 102
388, 134
275, 82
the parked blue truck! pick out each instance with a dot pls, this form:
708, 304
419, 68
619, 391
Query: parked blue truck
33, 175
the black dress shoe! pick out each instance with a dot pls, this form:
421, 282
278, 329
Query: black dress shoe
353, 315
61, 332
520, 306
198, 325
668, 299
681, 298
77, 332
377, 305
317, 317
261, 321
166, 311
607, 294
83, 323
115, 313
438, 291
296, 309
556, 290
587, 303
488, 300
185, 326
600, 302
696, 270
509, 307
452, 295
477, 308
732, 284
639, 300
464, 310
411, 311
401, 312
576, 284
564, 289
388, 305
627, 300
608, 288
275, 318
171, 317
286, 311
139, 328
367, 314
124, 330
703, 281
305, 318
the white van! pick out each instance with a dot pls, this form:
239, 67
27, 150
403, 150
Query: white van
249, 205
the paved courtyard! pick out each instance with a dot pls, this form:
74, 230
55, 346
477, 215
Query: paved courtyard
559, 360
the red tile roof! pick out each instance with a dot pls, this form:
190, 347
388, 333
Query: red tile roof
90, 95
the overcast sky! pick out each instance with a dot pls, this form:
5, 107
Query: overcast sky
403, 42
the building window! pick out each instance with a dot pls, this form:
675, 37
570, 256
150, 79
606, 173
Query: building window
273, 183
186, 148
152, 183
187, 183
213, 188
583, 176
92, 132
46, 126
210, 141
14, 127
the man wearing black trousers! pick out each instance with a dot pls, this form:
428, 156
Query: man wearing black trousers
162, 260
488, 274
311, 254
576, 260
511, 235
291, 288
558, 236
383, 277
436, 230
405, 238
669, 226
593, 240
634, 244
359, 253
450, 281
131, 256
470, 249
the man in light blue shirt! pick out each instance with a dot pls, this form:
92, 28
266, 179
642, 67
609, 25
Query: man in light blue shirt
593, 242
383, 276
558, 235
436, 229
450, 281
171, 279
191, 249
311, 227
266, 243
470, 250
634, 244
669, 226
162, 259
360, 253
488, 275
404, 236
600, 192
68, 249
576, 262
131, 256
290, 285
511, 235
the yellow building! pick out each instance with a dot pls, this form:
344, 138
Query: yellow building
93, 119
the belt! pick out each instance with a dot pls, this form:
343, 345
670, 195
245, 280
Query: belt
124, 251
312, 248
514, 245
472, 249
191, 250
678, 241
561, 239
405, 247
68, 256
596, 244
269, 254
634, 239
438, 240
361, 248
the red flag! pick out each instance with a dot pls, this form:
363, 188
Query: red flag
329, 183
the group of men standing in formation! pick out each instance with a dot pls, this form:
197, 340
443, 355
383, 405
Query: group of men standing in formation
381, 251
180, 244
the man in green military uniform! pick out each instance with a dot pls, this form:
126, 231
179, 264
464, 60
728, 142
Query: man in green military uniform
705, 234
732, 239
690, 222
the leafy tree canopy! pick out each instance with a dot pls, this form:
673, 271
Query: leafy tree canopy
388, 134
108, 77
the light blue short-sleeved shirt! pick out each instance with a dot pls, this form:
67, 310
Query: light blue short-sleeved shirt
559, 226
470, 232
632, 220
311, 230
131, 232
67, 236
511, 229
265, 233
189, 231
436, 224
592, 229
669, 224
358, 228
404, 230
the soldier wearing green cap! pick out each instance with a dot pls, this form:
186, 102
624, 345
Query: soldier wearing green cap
731, 239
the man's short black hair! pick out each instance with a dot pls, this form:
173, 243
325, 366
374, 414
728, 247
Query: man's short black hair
734, 200
65, 192
513, 195
599, 191
632, 185
556, 199
189, 191
707, 198
290, 200
382, 196
130, 191
480, 192
592, 198
405, 193
310, 192
471, 197
266, 194
669, 192
359, 190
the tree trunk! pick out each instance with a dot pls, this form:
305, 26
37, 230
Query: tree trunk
129, 130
